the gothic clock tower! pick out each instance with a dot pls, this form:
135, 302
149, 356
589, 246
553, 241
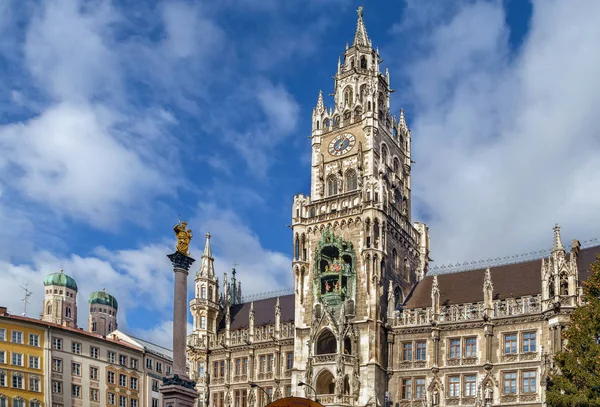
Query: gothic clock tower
357, 252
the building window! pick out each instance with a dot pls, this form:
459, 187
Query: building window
288, 391
133, 403
407, 351
122, 380
454, 349
222, 368
240, 398
509, 382
17, 381
94, 352
34, 362
110, 377
238, 366
123, 360
134, 383
17, 359
3, 401
154, 402
471, 347
406, 389
134, 363
2, 334
168, 370
32, 403
56, 387
159, 367
122, 401
94, 395
34, 383
201, 369
529, 382
420, 388
148, 363
203, 292
76, 347
421, 351
332, 185
2, 356
154, 385
76, 390
217, 399
17, 337
470, 385
454, 386
111, 399
57, 365
289, 360
34, 340
529, 340
18, 402
510, 344
93, 373
271, 360
76, 369
351, 180
245, 366
111, 357
202, 322
57, 343
2, 378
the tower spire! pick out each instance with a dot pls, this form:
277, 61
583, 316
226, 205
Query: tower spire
361, 38
320, 108
207, 266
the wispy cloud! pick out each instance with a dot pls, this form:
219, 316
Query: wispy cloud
514, 138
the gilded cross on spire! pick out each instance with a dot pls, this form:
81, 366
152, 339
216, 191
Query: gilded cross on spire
360, 11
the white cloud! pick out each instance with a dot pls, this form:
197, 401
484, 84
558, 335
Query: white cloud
259, 269
505, 147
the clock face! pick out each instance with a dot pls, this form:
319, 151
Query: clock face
341, 144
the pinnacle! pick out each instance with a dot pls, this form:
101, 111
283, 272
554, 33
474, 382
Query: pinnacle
361, 38
207, 250
557, 246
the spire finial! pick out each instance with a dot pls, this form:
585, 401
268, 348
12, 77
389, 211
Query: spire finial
61, 270
557, 246
207, 267
320, 103
361, 38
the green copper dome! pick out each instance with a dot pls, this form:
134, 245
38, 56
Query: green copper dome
60, 279
103, 298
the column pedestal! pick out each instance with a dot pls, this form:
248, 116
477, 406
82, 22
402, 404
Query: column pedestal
177, 389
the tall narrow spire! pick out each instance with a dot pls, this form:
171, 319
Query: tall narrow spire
320, 108
207, 266
558, 246
361, 38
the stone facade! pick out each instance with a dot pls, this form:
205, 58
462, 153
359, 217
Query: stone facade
366, 325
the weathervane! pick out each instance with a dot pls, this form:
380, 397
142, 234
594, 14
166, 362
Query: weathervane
25, 299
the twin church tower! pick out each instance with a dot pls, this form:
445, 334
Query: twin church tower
356, 256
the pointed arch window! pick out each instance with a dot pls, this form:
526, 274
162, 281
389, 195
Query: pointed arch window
68, 312
363, 93
348, 96
363, 62
210, 294
384, 154
49, 309
297, 248
396, 166
202, 322
332, 185
203, 292
351, 180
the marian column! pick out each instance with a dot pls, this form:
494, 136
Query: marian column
177, 389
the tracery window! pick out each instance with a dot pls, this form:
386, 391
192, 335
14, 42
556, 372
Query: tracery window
351, 180
332, 185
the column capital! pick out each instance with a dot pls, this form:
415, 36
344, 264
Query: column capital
181, 261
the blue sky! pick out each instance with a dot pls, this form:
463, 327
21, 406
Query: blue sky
118, 116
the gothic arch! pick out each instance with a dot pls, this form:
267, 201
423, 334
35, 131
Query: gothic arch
396, 166
325, 383
384, 153
351, 180
326, 343
348, 96
332, 185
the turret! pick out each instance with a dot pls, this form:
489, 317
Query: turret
60, 299
103, 313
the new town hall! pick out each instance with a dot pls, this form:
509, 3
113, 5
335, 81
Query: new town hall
366, 325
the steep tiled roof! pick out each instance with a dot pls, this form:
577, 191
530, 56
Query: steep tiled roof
510, 281
264, 312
